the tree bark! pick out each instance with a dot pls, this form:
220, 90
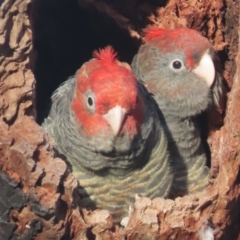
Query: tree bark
38, 197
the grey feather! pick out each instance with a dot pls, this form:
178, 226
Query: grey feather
110, 179
181, 97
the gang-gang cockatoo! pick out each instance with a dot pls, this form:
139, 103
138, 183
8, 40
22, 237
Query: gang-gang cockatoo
177, 67
103, 121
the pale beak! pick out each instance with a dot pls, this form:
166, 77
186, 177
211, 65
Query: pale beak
206, 69
115, 117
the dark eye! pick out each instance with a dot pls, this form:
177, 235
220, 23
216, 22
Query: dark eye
177, 64
90, 101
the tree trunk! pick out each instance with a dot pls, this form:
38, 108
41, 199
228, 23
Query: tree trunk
42, 43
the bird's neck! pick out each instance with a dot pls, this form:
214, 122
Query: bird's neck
123, 156
183, 134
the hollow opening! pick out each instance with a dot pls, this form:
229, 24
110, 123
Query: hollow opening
65, 36
67, 32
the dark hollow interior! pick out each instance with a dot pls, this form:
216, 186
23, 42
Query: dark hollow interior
65, 36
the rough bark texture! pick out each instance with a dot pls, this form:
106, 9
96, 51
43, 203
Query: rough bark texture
37, 199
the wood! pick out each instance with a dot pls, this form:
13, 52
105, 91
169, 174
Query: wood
38, 193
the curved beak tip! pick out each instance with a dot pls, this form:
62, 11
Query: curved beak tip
206, 69
115, 117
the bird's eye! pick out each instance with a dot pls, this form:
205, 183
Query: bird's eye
90, 101
177, 65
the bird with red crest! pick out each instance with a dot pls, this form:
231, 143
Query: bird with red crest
104, 123
178, 66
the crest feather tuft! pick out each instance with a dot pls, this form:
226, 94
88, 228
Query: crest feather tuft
151, 32
106, 55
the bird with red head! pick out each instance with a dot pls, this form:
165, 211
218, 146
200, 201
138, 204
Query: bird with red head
178, 67
105, 124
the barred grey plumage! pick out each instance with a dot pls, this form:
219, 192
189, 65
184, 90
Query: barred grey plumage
176, 67
110, 179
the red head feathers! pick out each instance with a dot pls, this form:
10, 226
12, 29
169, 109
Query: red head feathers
106, 55
111, 85
184, 40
